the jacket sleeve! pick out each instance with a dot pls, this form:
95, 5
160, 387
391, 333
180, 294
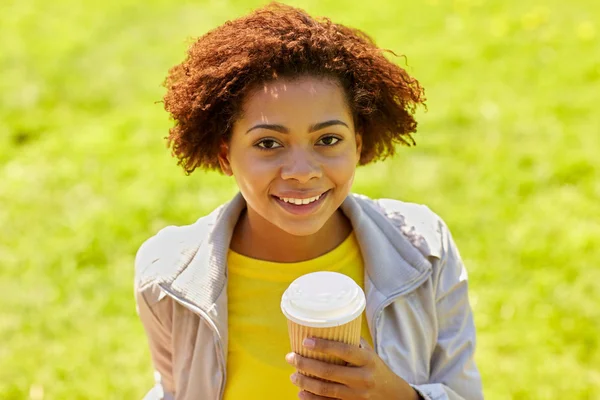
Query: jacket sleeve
155, 313
453, 375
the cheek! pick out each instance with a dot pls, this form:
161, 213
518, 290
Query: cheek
341, 169
255, 167
252, 173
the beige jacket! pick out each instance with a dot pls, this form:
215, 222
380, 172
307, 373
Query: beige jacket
418, 310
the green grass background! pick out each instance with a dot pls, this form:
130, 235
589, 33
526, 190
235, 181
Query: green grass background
507, 154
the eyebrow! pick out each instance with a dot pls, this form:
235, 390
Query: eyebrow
313, 128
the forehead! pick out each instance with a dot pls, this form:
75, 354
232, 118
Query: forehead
308, 97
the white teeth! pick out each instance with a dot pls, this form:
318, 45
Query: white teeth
300, 201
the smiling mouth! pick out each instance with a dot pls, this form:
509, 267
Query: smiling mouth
300, 202
302, 206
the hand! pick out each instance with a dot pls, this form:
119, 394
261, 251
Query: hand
367, 376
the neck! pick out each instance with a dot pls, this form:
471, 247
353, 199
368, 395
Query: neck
258, 238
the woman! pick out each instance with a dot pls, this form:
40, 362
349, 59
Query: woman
289, 106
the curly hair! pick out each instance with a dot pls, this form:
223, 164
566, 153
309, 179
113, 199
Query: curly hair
205, 92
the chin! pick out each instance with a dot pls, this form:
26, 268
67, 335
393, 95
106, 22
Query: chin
306, 228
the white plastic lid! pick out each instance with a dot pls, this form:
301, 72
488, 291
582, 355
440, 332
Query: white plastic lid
323, 299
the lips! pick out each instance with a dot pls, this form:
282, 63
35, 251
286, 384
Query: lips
299, 204
300, 201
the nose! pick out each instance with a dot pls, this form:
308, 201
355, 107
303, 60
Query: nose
301, 165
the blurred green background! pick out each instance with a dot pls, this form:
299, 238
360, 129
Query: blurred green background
507, 154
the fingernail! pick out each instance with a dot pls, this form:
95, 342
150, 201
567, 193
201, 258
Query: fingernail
308, 343
290, 358
294, 377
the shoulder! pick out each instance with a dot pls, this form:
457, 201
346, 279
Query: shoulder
423, 228
162, 255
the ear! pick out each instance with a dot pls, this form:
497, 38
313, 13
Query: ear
223, 157
358, 136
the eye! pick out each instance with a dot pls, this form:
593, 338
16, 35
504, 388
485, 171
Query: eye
329, 140
267, 144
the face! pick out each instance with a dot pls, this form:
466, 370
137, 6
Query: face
293, 153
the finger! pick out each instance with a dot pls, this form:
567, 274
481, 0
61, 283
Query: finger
319, 387
304, 395
347, 375
347, 352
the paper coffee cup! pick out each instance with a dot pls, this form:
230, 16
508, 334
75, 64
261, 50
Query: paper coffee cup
326, 305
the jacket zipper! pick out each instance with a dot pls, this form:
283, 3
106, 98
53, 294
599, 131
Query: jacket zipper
212, 325
390, 299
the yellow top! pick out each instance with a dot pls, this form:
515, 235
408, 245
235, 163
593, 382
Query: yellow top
258, 336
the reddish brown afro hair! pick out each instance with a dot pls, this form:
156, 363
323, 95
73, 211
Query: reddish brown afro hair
205, 92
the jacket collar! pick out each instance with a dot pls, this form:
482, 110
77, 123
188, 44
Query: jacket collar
392, 262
